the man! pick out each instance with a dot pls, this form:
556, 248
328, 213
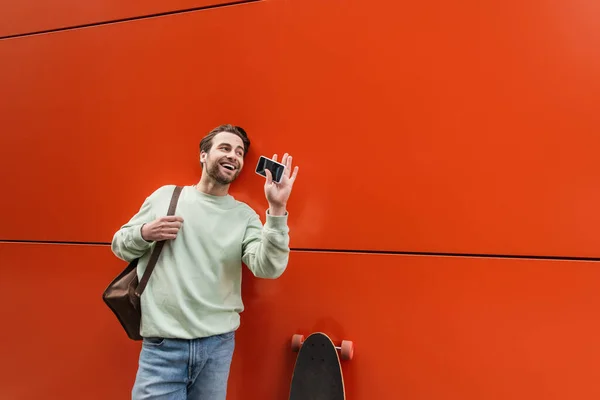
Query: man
191, 305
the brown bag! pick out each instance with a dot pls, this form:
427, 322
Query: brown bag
123, 294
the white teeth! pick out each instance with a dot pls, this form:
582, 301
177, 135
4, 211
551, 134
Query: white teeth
228, 166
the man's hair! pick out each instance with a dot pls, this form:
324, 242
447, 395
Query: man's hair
206, 142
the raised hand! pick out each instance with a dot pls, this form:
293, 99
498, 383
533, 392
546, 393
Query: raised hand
278, 193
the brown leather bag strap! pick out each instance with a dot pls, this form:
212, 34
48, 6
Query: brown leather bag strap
158, 247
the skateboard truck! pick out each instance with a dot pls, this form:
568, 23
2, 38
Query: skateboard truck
346, 349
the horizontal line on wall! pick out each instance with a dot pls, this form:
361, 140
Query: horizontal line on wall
345, 251
460, 255
127, 19
59, 242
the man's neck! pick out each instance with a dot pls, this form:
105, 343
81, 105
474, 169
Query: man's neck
211, 187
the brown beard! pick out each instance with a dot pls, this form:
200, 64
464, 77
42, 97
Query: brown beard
213, 172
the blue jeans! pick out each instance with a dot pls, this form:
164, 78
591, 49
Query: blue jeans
178, 369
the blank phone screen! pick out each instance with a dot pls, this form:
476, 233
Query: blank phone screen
275, 168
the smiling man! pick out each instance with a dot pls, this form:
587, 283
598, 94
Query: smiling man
192, 303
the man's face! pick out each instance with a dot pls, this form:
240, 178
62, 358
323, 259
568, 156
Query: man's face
225, 159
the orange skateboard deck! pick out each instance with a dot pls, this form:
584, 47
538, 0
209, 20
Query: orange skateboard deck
318, 373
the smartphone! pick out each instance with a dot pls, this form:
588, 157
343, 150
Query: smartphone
273, 166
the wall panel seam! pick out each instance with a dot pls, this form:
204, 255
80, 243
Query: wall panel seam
128, 19
353, 251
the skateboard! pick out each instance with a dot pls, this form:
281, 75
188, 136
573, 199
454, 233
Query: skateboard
318, 374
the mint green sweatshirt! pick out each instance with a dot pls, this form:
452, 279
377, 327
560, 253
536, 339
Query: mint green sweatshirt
195, 288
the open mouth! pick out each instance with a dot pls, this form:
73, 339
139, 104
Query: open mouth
228, 166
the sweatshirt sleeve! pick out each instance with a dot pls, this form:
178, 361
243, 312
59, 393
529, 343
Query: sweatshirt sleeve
265, 250
127, 242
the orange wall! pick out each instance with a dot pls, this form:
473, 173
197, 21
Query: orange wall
469, 129
459, 133
424, 327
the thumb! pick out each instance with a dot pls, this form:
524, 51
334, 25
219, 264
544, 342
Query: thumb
269, 177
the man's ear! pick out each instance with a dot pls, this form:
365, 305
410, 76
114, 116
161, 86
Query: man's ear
203, 156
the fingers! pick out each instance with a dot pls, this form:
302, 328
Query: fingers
293, 178
288, 165
172, 218
170, 222
287, 161
269, 177
166, 234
